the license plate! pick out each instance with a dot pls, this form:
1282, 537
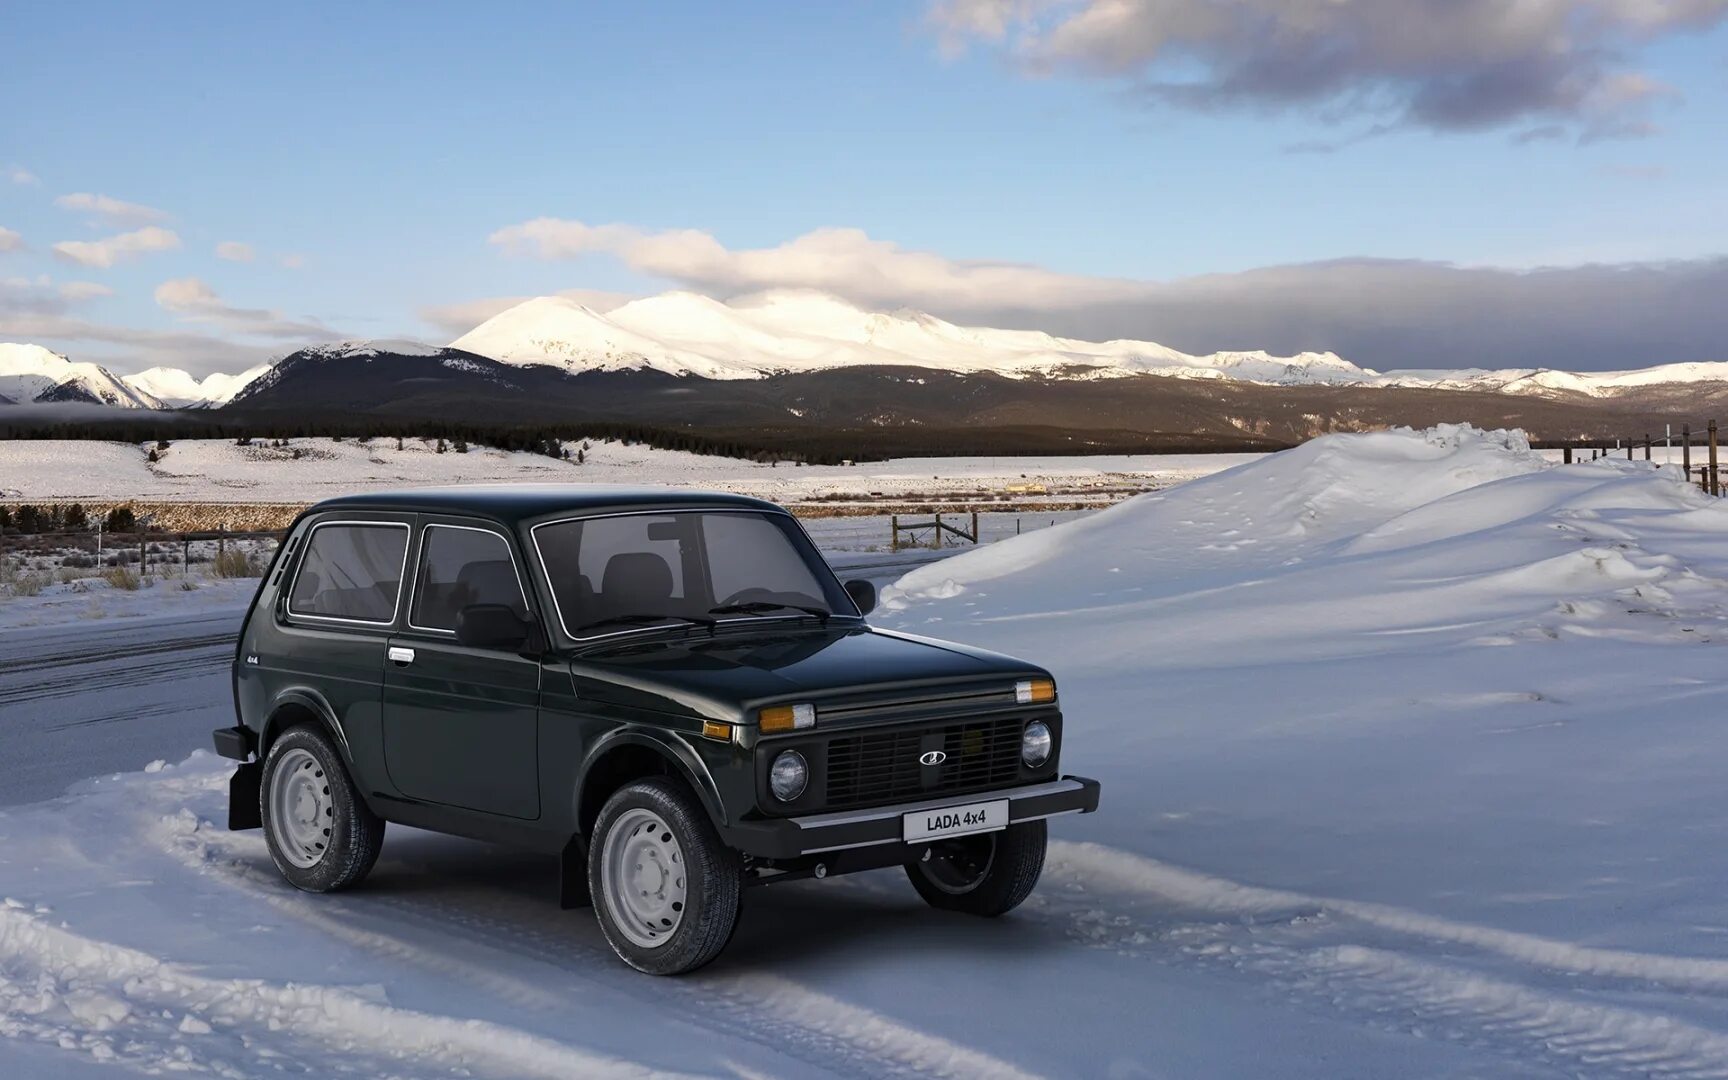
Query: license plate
955, 820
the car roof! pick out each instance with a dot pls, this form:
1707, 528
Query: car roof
513, 503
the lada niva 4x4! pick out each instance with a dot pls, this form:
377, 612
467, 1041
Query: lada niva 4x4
668, 690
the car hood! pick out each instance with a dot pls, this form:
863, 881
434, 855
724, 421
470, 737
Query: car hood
725, 676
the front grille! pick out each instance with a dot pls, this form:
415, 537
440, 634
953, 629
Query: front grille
883, 766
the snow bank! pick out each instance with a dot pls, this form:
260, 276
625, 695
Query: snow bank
1308, 552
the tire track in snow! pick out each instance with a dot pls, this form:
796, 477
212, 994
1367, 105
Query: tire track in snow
821, 1031
1094, 864
1392, 987
58, 986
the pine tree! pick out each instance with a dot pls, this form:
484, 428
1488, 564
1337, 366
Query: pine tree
121, 519
77, 519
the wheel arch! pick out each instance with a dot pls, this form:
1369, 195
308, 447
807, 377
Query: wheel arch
626, 756
296, 707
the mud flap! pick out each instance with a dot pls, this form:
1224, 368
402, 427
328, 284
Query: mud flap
573, 875
243, 797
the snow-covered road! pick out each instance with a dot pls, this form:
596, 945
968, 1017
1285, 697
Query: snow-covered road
1412, 754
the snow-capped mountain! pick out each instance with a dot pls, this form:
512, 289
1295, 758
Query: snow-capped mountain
790, 331
178, 389
368, 371
32, 374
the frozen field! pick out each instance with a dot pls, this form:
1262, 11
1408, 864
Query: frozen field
1412, 754
217, 470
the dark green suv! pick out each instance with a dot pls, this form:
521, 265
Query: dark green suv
669, 690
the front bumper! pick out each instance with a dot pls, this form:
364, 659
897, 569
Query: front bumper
789, 838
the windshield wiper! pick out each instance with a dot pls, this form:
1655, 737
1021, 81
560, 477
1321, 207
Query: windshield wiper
753, 607
646, 619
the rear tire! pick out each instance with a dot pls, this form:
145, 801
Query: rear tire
666, 890
990, 874
321, 834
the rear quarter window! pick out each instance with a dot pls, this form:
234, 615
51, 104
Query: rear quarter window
351, 571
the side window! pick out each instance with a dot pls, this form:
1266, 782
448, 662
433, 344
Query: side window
460, 567
351, 571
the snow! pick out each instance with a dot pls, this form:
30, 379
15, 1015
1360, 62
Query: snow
684, 333
217, 470
1419, 725
1412, 762
370, 348
178, 389
28, 371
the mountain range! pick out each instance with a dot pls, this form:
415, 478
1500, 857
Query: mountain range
799, 359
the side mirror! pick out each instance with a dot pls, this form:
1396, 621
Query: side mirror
491, 626
863, 594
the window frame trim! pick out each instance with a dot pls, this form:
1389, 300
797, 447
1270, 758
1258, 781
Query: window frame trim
420, 549
300, 565
778, 511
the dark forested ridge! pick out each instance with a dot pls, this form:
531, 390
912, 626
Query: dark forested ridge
844, 413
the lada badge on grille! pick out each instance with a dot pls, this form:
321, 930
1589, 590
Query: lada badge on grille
933, 757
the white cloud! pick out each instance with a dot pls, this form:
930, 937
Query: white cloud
9, 240
846, 262
459, 318
1445, 65
18, 174
235, 251
198, 302
84, 290
132, 348
111, 210
110, 250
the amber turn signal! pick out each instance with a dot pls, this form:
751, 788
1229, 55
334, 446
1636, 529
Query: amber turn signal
777, 718
713, 730
1035, 691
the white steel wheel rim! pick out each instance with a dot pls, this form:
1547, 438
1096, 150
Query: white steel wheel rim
643, 878
302, 813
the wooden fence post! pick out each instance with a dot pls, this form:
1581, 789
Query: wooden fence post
938, 542
1686, 451
1629, 445
1646, 448
894, 523
143, 552
185, 556
1568, 457
1715, 477
975, 526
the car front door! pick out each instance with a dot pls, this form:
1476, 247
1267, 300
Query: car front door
461, 723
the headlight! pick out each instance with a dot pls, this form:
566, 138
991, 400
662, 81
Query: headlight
788, 776
1035, 744
1035, 691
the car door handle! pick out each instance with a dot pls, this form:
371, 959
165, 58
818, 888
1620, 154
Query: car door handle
399, 655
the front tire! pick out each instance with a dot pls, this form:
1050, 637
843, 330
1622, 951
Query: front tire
666, 890
321, 834
989, 874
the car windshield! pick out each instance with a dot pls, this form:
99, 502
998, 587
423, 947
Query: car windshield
690, 569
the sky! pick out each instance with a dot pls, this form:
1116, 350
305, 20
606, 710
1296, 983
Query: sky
1410, 183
